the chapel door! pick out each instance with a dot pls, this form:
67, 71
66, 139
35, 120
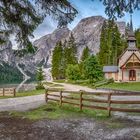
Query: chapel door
132, 75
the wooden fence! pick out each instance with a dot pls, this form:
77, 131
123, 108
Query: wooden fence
50, 94
7, 92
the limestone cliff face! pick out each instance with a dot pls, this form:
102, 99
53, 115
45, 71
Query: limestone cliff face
86, 33
6, 53
47, 43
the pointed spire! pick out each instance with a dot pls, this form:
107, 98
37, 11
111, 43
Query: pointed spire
131, 23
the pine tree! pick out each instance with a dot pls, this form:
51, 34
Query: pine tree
85, 53
103, 51
116, 45
70, 52
137, 34
92, 69
57, 62
39, 78
111, 44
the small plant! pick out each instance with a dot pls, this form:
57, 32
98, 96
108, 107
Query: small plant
40, 78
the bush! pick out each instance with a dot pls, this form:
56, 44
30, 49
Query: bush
92, 69
39, 86
73, 72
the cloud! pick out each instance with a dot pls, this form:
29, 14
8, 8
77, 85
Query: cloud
48, 25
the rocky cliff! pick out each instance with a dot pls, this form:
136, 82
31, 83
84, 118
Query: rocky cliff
86, 33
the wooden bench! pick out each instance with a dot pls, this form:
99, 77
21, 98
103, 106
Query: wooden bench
7, 92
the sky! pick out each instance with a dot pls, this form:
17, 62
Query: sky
86, 8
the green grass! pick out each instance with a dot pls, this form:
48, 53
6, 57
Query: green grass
60, 81
132, 86
54, 111
29, 93
123, 86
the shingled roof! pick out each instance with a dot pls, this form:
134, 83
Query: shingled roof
110, 69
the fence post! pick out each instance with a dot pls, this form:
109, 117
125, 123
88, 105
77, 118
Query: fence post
81, 99
46, 95
61, 98
3, 92
109, 104
14, 92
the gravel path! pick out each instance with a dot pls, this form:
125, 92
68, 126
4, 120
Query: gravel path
22, 103
67, 129
63, 129
75, 87
30, 102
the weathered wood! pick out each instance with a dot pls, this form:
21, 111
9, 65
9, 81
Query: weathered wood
125, 110
14, 92
108, 101
8, 91
73, 92
61, 98
58, 100
126, 94
54, 95
81, 93
3, 92
109, 104
96, 100
124, 102
95, 107
46, 95
70, 103
97, 93
72, 98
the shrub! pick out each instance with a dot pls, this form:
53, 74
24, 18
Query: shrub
92, 69
73, 72
39, 86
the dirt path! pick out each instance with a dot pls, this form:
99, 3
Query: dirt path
30, 102
22, 103
66, 129
62, 129
75, 87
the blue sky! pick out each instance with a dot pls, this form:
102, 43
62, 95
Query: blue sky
86, 8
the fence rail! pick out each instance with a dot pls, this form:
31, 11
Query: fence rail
61, 98
7, 92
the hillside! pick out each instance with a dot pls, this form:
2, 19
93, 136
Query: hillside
86, 33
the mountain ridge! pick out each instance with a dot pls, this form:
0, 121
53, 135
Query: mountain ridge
86, 33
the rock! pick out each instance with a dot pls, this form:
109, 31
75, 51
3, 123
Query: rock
86, 33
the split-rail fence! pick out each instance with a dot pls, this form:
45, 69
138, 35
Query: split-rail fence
61, 96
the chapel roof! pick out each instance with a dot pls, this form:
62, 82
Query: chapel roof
131, 37
110, 69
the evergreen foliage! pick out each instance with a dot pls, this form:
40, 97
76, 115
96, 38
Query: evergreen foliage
70, 52
21, 17
92, 69
111, 44
63, 55
137, 34
9, 74
118, 8
73, 72
84, 56
58, 71
85, 53
39, 78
